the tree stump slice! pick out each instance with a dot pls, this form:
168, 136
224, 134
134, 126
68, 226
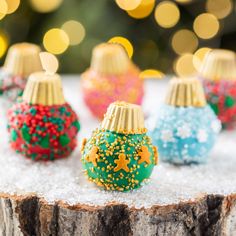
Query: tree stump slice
56, 198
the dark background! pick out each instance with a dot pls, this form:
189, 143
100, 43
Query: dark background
102, 20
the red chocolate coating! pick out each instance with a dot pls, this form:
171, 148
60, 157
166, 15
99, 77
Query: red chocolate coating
43, 132
221, 96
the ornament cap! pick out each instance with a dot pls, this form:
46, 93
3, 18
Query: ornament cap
123, 117
23, 59
219, 64
110, 59
185, 92
44, 89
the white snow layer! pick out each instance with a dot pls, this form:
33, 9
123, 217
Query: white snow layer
64, 180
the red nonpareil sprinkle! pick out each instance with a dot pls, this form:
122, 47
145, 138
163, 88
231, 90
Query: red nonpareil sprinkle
40, 140
221, 96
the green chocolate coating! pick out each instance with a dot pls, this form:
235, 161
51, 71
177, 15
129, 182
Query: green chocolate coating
109, 146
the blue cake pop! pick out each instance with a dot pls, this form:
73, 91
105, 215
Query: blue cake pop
185, 128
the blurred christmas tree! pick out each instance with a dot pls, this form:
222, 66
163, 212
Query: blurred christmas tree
158, 31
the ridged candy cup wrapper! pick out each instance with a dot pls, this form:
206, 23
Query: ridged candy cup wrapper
184, 128
22, 60
111, 77
119, 155
218, 74
43, 126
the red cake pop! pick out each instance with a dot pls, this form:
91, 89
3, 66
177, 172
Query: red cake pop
43, 126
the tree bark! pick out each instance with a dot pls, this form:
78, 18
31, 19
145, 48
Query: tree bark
31, 215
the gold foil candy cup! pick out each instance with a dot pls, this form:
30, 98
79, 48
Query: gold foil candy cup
219, 64
185, 92
23, 59
110, 59
43, 89
123, 117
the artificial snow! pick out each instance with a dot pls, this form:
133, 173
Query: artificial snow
64, 179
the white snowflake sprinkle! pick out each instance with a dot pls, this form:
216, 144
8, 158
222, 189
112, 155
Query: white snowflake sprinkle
216, 126
184, 131
167, 136
202, 136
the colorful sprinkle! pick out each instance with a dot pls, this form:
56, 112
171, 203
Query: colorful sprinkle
117, 161
99, 91
41, 132
221, 96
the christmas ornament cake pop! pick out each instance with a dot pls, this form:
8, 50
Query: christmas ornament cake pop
218, 73
112, 76
119, 155
22, 60
185, 127
43, 125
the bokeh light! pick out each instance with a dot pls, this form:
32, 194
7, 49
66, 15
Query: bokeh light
167, 14
183, 1
151, 74
3, 44
45, 6
199, 56
219, 8
128, 5
75, 31
125, 43
56, 41
3, 9
206, 26
143, 10
184, 41
12, 5
183, 66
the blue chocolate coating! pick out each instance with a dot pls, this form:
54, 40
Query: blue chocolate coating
184, 135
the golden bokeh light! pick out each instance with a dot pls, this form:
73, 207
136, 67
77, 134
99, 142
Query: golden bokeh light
143, 10
184, 41
183, 66
128, 5
75, 31
219, 8
3, 44
199, 56
56, 41
206, 25
183, 1
3, 9
45, 6
167, 14
125, 43
151, 74
12, 5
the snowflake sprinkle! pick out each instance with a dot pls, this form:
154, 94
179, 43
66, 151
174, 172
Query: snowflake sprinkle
167, 135
184, 131
202, 136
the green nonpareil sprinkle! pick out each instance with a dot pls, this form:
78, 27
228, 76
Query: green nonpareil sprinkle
25, 133
77, 125
64, 140
14, 135
229, 101
44, 143
33, 111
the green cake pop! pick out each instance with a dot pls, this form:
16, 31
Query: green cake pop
119, 155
